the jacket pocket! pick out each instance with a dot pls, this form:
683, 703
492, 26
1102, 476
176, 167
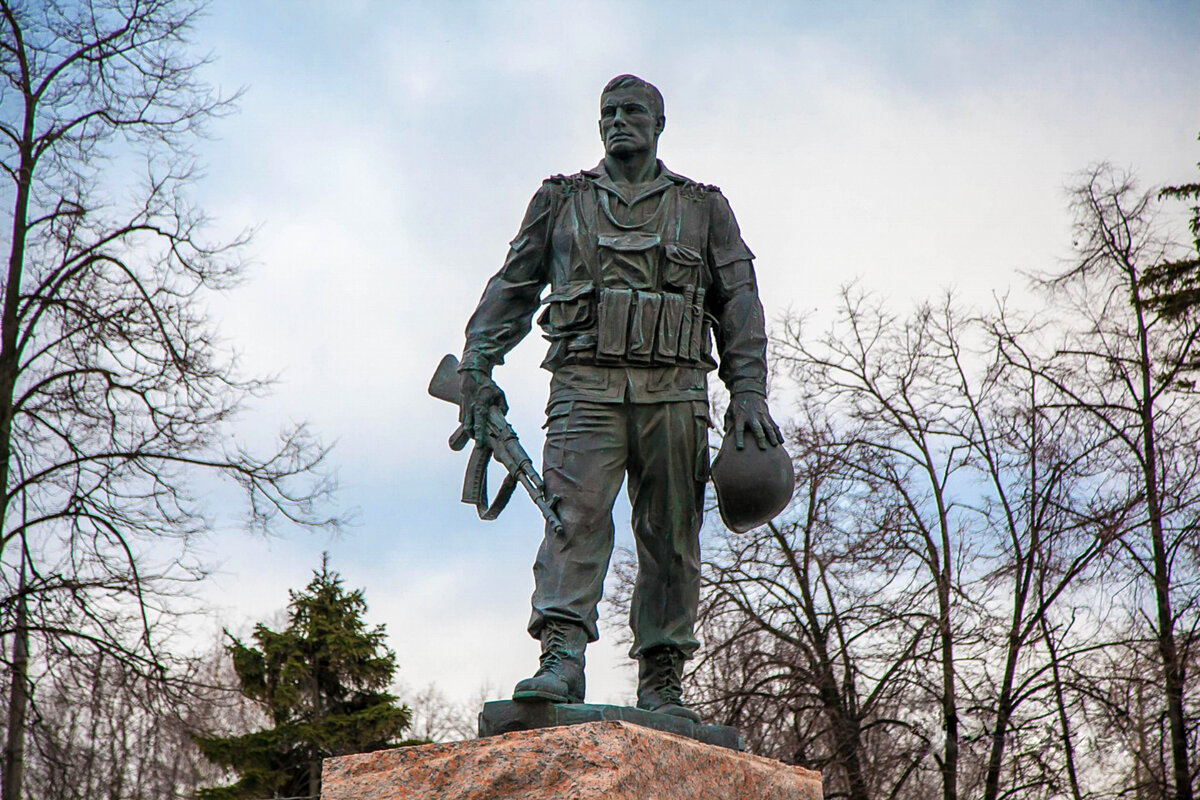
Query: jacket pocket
682, 267
628, 259
569, 309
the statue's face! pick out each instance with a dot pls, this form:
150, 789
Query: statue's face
627, 122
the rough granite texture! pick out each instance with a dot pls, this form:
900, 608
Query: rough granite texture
610, 760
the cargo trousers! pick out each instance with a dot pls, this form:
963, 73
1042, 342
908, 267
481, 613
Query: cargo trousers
591, 447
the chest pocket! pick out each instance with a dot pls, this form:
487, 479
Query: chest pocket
628, 260
683, 267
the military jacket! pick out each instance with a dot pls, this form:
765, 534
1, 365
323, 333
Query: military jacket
638, 286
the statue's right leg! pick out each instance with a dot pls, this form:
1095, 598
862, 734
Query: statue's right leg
584, 465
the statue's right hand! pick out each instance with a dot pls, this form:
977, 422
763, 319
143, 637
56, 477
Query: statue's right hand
479, 393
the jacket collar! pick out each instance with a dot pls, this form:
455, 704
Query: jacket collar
665, 180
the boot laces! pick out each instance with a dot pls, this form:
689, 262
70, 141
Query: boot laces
554, 647
668, 665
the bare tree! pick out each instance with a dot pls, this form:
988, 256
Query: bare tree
950, 511
114, 390
1126, 362
806, 648
437, 718
1050, 520
104, 730
892, 382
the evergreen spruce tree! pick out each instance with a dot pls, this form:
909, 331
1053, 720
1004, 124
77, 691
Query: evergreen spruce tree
323, 681
1174, 284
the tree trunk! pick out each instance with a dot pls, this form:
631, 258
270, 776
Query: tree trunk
949, 700
849, 746
1173, 669
847, 729
314, 766
1064, 721
9, 327
1004, 710
18, 701
1006, 703
845, 724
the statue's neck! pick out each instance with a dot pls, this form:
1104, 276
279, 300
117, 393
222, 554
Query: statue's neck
634, 169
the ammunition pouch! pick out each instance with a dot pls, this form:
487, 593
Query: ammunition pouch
628, 326
662, 323
569, 310
641, 327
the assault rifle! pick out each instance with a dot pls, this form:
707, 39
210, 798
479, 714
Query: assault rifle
502, 444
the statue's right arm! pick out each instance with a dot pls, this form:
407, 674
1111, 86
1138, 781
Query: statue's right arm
505, 311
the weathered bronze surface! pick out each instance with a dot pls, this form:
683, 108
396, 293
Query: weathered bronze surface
644, 268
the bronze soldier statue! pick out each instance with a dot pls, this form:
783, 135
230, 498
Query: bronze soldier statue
644, 267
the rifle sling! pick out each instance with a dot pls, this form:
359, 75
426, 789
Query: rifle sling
475, 484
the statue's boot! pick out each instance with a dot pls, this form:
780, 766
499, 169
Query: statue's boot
660, 683
559, 678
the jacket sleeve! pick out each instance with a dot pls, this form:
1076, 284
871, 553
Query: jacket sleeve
741, 326
503, 316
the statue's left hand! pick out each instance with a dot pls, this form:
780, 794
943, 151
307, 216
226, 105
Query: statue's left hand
750, 409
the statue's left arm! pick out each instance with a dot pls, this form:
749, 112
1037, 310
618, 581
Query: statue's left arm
741, 329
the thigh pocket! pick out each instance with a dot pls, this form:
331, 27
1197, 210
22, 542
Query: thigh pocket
557, 418
702, 424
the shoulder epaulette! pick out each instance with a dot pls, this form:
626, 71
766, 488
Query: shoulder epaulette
576, 182
696, 191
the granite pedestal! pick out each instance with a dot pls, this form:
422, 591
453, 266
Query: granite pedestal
614, 760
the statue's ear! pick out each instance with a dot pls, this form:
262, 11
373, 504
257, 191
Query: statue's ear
659, 125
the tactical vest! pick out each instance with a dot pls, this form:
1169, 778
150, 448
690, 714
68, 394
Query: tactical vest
628, 295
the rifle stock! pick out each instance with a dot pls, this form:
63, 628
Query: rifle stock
444, 383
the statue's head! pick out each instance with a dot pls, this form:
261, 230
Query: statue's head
631, 116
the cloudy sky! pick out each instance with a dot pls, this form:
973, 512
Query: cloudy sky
386, 150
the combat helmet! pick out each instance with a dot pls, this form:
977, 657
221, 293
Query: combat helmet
753, 485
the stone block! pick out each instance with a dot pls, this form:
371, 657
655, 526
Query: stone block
613, 760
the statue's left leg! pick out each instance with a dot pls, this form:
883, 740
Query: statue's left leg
668, 467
